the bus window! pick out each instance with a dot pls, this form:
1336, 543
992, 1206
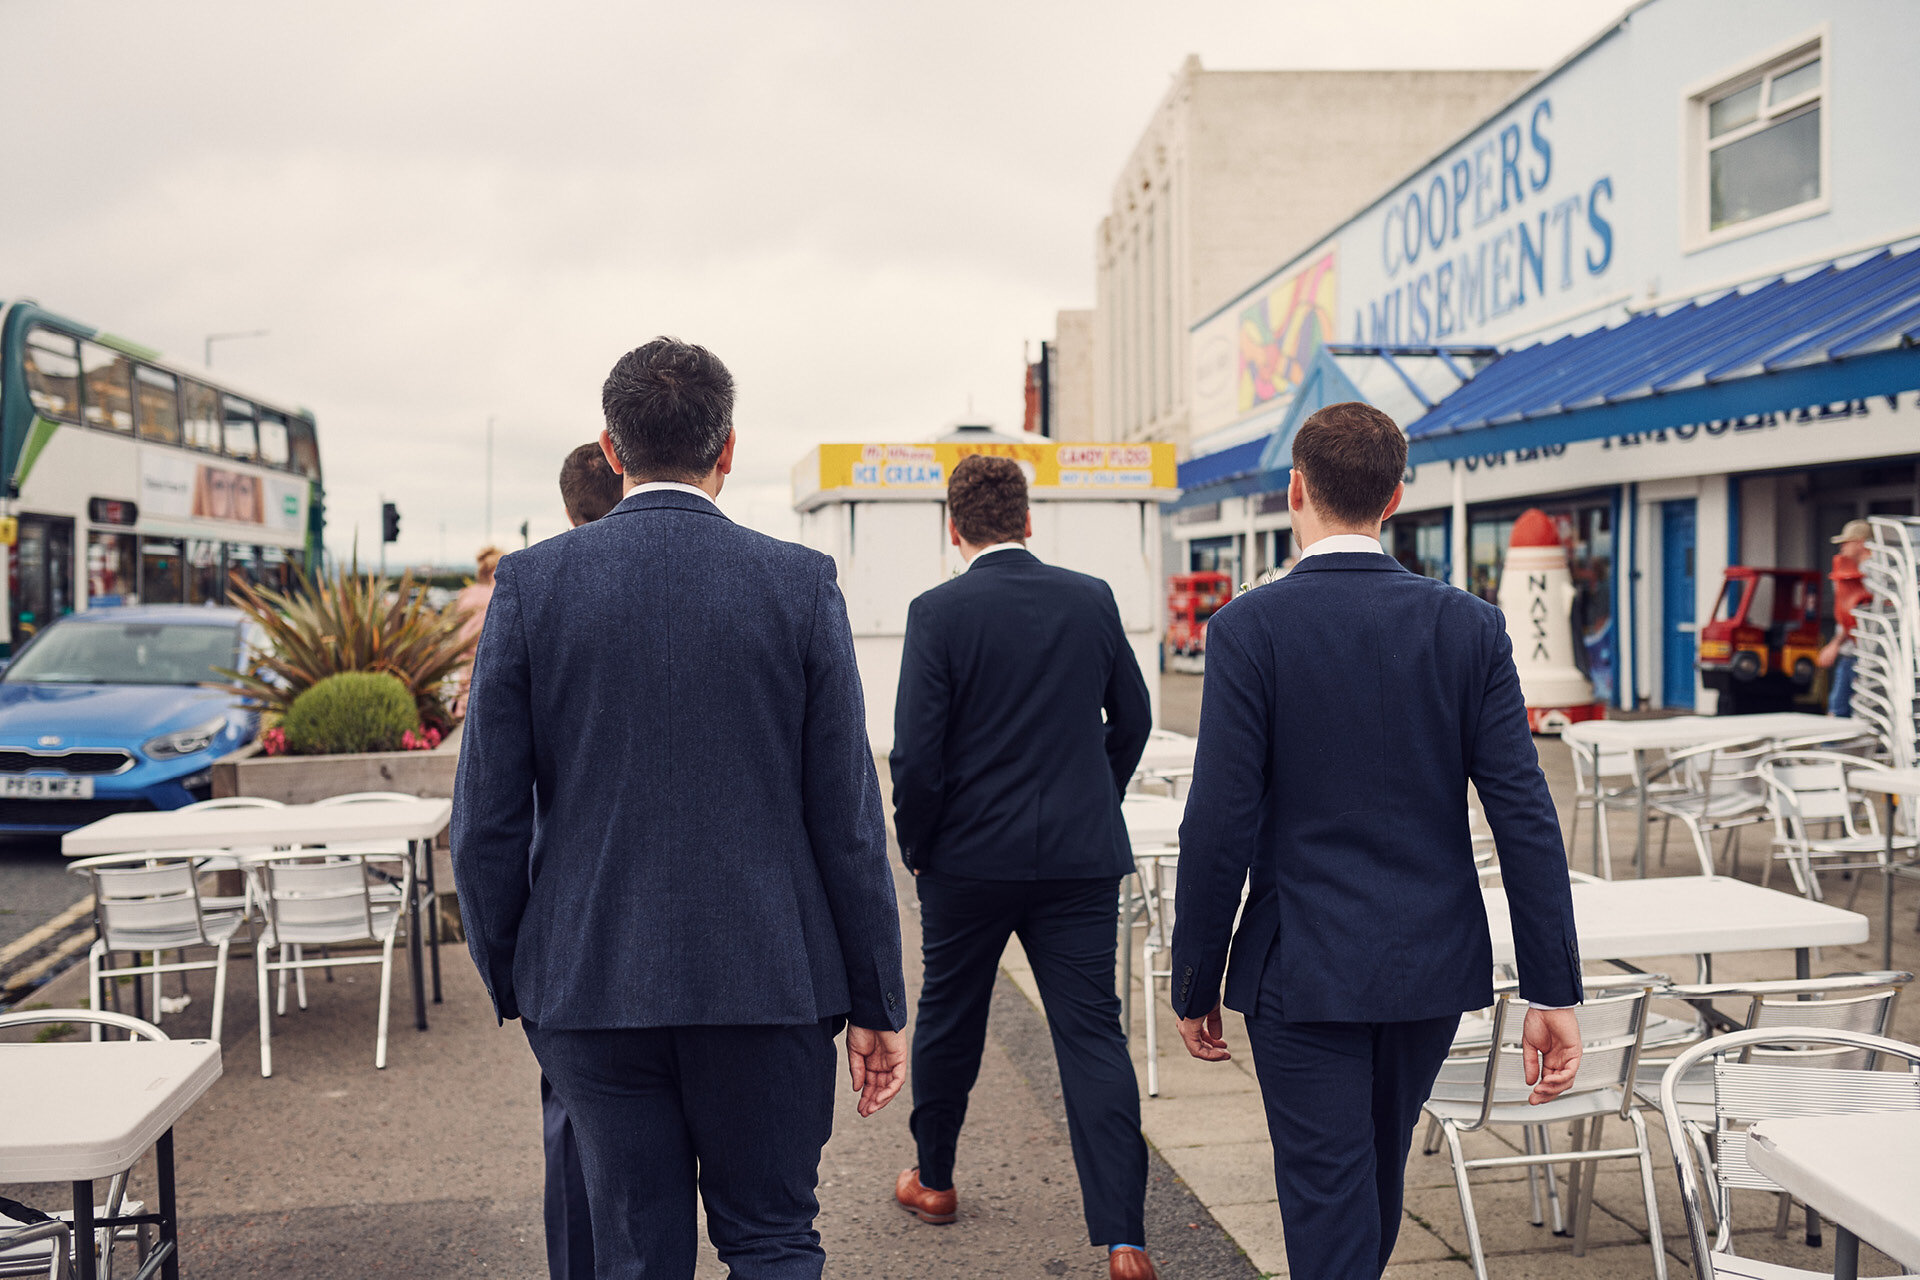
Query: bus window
53, 374
304, 451
107, 385
238, 415
110, 570
273, 439
200, 408
156, 405
160, 571
206, 584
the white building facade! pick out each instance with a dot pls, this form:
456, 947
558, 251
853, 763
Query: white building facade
1696, 147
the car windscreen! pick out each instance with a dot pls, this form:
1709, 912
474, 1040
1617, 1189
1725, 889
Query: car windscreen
125, 653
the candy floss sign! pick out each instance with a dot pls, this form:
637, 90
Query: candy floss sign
926, 468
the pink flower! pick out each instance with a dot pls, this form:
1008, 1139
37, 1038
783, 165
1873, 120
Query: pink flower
274, 741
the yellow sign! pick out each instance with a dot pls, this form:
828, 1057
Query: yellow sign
9, 531
1090, 469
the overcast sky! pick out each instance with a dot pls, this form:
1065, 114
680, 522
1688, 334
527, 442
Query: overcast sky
450, 211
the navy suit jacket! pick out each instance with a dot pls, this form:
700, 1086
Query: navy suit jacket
667, 812
1002, 766
1346, 708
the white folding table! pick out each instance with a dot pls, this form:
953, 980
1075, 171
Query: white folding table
1679, 733
1889, 783
78, 1112
1860, 1172
1153, 820
1166, 750
1688, 915
416, 822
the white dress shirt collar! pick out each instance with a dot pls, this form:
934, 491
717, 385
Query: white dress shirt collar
660, 486
1342, 542
989, 550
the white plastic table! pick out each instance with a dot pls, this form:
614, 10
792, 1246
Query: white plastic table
416, 822
77, 1112
1167, 750
1153, 820
1889, 783
1677, 733
1688, 915
1861, 1172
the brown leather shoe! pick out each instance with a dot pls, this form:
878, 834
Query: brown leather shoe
1130, 1264
937, 1207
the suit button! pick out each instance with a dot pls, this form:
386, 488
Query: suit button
891, 1000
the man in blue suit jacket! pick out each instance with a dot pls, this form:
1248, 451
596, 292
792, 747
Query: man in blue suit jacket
669, 844
1347, 707
1020, 719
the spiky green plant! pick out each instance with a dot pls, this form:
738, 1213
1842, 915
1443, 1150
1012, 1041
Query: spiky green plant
349, 621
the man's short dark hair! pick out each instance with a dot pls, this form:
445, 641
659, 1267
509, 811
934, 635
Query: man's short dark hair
1351, 456
669, 406
588, 486
987, 498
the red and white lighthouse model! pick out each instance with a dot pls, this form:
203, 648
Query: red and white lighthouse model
1537, 594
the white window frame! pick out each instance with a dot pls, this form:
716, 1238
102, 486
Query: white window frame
1695, 209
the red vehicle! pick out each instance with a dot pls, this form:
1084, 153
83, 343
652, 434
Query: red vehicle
1192, 598
1759, 649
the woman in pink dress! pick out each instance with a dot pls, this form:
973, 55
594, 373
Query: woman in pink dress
472, 602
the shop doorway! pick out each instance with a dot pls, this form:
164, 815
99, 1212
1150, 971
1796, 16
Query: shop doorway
1677, 594
43, 574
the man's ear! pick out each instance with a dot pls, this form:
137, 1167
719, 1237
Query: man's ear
606, 447
725, 462
1393, 503
1028, 531
1296, 490
953, 530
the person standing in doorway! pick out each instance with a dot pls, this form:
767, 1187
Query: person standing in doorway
1020, 719
1849, 593
1347, 708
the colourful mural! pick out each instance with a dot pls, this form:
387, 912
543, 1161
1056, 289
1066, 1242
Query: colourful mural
1280, 332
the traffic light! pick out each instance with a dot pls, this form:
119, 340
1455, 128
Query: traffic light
523, 533
389, 523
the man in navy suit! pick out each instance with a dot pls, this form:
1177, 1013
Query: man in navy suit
1347, 707
1006, 799
670, 849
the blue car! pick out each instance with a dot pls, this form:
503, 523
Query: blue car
109, 711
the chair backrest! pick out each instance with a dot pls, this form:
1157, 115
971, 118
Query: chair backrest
1612, 1027
1862, 1002
1810, 786
1599, 762
144, 893
319, 892
1745, 1092
235, 802
366, 797
135, 1027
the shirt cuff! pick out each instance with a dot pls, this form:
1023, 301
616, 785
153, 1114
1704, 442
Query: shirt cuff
1549, 1008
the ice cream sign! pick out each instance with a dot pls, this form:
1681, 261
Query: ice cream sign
920, 470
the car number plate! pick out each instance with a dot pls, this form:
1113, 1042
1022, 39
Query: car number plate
31, 787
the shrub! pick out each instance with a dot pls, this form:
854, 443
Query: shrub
352, 711
350, 621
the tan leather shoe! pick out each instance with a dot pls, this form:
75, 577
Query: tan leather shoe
937, 1207
1130, 1264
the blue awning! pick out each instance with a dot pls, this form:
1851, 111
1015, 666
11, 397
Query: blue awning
1830, 334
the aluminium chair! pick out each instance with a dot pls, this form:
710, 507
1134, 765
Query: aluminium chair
1806, 788
1472, 1094
40, 1248
1159, 871
151, 903
1745, 1091
1603, 781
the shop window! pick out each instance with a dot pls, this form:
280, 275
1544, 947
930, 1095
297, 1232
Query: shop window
206, 581
200, 415
237, 415
1419, 543
1761, 142
113, 568
53, 374
162, 576
157, 404
107, 387
273, 439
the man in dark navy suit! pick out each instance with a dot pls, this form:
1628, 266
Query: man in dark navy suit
1006, 799
1347, 708
670, 849
589, 488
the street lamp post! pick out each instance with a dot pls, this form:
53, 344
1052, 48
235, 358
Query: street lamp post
223, 337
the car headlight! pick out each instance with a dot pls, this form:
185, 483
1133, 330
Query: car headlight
170, 746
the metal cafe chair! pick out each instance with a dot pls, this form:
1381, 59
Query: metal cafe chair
1809, 787
1603, 781
40, 1248
1721, 791
1745, 1090
150, 903
326, 898
1159, 871
1475, 1093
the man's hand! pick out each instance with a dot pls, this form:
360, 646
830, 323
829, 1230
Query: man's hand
1829, 653
877, 1062
1203, 1037
1550, 1052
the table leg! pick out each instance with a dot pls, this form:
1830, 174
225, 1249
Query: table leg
1846, 1254
84, 1263
169, 1220
433, 920
1802, 966
1640, 834
1886, 885
414, 956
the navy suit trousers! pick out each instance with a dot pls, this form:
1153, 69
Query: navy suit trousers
736, 1115
1342, 1102
569, 1221
1067, 929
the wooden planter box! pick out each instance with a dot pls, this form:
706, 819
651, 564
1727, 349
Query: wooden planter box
305, 779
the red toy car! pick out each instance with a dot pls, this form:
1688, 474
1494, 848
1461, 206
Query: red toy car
1759, 649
